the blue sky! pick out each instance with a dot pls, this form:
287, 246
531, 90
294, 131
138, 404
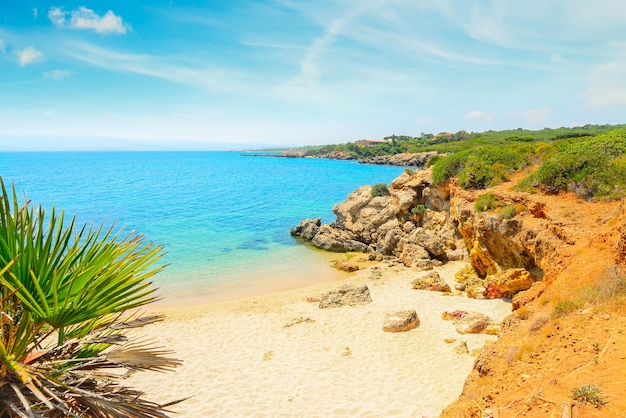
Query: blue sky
130, 74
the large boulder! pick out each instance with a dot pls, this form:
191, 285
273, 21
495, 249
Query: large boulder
412, 254
400, 321
333, 239
307, 228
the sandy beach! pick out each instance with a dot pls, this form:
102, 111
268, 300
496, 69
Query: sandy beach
281, 355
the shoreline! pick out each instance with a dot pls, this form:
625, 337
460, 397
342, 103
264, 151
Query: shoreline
276, 354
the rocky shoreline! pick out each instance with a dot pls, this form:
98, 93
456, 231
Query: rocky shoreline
504, 257
417, 160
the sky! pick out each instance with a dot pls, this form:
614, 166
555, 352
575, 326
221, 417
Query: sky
234, 74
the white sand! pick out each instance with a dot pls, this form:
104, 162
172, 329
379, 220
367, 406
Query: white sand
241, 361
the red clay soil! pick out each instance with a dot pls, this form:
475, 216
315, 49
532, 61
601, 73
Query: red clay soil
573, 334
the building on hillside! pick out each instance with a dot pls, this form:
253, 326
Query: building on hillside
442, 137
368, 142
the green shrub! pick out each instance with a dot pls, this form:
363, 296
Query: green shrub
432, 160
507, 212
418, 210
563, 307
409, 171
487, 201
589, 394
483, 166
380, 189
590, 166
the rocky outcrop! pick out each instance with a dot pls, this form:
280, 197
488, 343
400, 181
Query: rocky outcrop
404, 160
386, 225
400, 321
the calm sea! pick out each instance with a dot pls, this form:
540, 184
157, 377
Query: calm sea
223, 218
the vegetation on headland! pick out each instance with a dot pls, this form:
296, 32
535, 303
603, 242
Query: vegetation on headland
589, 160
65, 296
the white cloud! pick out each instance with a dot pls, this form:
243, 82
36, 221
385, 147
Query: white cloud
57, 74
84, 18
30, 55
35, 13
479, 115
2, 47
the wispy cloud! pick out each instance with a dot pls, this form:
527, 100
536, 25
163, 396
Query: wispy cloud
57, 74
607, 86
2, 46
84, 18
479, 115
213, 79
35, 13
30, 55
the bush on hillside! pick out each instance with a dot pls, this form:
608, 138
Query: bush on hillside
483, 166
487, 201
379, 189
593, 167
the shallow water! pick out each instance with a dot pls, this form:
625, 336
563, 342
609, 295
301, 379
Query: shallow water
224, 219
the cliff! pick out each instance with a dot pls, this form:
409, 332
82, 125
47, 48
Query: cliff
560, 258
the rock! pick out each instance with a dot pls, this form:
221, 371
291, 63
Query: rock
333, 239
344, 265
508, 283
453, 315
307, 228
468, 281
389, 243
400, 321
472, 323
406, 199
345, 352
411, 253
345, 296
457, 254
449, 340
431, 281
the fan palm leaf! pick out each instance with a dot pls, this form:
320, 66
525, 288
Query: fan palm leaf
65, 294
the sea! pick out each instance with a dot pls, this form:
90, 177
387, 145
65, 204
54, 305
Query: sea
223, 218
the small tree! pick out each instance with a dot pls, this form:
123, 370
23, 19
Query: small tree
418, 213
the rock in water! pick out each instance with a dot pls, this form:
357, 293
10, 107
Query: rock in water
400, 321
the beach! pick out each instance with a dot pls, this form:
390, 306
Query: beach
280, 354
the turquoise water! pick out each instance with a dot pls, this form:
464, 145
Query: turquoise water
224, 219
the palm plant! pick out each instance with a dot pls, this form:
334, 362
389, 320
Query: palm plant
68, 296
